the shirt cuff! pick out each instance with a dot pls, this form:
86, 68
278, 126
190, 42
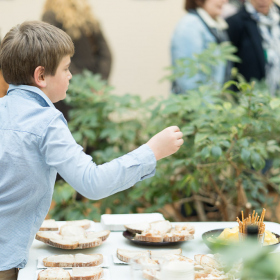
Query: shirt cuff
146, 156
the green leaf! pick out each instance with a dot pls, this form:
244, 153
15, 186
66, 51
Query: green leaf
63, 193
187, 130
225, 144
229, 84
244, 142
275, 180
216, 151
227, 105
245, 155
90, 134
233, 58
257, 161
200, 137
174, 108
77, 136
205, 153
274, 103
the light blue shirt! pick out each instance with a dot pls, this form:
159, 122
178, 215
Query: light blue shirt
35, 144
190, 37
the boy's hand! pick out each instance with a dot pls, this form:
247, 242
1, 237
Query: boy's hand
166, 142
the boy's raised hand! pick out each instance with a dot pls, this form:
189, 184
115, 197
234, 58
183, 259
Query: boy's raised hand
166, 142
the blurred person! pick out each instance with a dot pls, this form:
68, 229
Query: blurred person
77, 20
92, 52
255, 31
201, 26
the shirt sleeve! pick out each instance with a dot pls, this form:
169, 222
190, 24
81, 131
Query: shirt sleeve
61, 151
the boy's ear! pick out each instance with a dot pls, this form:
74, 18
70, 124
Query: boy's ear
39, 77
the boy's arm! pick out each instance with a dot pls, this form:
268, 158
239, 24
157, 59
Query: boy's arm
98, 181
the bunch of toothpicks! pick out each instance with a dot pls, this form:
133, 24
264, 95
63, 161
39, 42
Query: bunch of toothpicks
252, 220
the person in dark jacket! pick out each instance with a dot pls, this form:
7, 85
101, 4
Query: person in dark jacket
255, 31
92, 52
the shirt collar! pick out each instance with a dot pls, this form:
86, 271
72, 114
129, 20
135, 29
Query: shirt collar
218, 23
32, 89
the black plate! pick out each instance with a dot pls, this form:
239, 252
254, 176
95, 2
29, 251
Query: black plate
130, 236
216, 232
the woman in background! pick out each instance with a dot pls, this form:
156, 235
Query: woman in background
255, 31
91, 49
201, 26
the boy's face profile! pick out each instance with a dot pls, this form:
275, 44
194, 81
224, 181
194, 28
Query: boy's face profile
3, 86
57, 85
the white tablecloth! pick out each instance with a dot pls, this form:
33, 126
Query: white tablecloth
116, 240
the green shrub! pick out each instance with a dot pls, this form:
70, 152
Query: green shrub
227, 143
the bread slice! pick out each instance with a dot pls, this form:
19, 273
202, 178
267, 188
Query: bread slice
89, 243
185, 227
127, 255
101, 234
85, 224
78, 260
70, 230
72, 237
137, 227
64, 243
45, 236
59, 261
49, 225
54, 274
177, 236
149, 236
207, 261
82, 260
155, 254
87, 273
161, 226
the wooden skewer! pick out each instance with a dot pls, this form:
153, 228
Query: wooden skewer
253, 216
263, 213
253, 219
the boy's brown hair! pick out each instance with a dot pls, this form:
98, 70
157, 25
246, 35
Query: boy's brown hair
29, 45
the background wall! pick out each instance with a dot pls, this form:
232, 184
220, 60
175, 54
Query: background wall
138, 31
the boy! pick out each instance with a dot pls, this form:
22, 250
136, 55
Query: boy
35, 142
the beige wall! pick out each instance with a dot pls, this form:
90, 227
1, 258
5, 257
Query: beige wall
138, 32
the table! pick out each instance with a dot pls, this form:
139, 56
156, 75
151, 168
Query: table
116, 240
